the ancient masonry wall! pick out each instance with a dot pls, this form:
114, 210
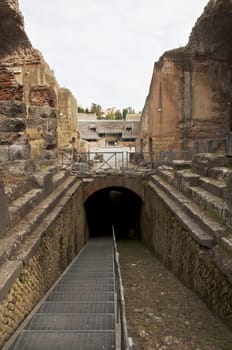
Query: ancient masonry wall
61, 239
189, 100
164, 235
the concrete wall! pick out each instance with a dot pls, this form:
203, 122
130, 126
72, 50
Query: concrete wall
192, 263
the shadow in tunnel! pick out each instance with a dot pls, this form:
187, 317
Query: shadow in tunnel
114, 206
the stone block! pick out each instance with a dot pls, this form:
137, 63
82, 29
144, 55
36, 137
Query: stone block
42, 112
4, 153
8, 138
43, 123
216, 187
12, 125
13, 109
184, 179
19, 167
19, 151
80, 168
22, 205
44, 179
203, 163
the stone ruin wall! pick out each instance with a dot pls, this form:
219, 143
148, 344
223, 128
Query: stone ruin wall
192, 263
60, 239
190, 94
33, 108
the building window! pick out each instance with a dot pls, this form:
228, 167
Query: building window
128, 128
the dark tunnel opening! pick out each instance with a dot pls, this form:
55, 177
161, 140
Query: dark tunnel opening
115, 206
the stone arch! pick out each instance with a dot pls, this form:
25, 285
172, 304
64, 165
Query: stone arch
111, 201
102, 182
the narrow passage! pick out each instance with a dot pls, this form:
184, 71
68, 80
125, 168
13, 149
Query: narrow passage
161, 313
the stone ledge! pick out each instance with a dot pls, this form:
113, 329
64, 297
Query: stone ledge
22, 205
9, 272
21, 253
199, 235
18, 234
59, 178
209, 202
216, 187
211, 226
28, 248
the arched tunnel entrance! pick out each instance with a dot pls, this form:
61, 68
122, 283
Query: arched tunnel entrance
115, 206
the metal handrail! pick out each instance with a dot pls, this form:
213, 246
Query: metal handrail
120, 304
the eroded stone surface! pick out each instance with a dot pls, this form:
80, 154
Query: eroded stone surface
190, 95
28, 89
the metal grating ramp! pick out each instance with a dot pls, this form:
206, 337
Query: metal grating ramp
79, 312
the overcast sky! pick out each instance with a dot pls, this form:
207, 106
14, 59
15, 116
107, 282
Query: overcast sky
104, 50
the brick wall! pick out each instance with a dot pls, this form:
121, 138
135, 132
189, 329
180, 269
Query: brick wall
10, 89
43, 95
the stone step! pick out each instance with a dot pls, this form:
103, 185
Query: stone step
17, 187
212, 205
34, 220
22, 205
215, 186
184, 179
196, 232
59, 178
226, 243
166, 173
220, 173
204, 222
204, 163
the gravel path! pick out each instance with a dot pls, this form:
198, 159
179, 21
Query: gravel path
161, 313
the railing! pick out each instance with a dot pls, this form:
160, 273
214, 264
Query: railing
99, 161
123, 342
65, 158
122, 160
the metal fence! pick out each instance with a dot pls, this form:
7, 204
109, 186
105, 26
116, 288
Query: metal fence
97, 162
104, 162
121, 160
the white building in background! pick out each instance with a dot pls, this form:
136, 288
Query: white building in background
102, 132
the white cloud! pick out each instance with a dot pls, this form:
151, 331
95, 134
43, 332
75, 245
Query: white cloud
104, 50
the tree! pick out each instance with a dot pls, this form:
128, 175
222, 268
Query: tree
118, 114
81, 109
110, 115
97, 109
126, 111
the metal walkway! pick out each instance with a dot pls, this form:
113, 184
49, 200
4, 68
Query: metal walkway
79, 311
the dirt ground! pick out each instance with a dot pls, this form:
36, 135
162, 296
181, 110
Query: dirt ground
161, 313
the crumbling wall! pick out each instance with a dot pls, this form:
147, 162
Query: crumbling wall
26, 77
190, 95
68, 135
